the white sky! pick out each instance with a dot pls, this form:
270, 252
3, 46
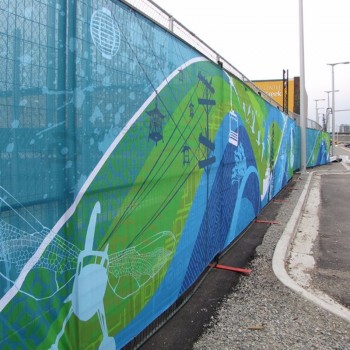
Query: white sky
261, 38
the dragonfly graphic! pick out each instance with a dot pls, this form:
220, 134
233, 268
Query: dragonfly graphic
91, 270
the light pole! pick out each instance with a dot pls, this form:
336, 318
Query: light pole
302, 91
328, 92
320, 99
328, 110
333, 102
318, 120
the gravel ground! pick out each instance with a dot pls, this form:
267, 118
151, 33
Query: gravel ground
262, 313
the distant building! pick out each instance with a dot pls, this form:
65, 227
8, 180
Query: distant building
344, 128
274, 89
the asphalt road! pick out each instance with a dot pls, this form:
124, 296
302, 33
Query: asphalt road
332, 249
341, 150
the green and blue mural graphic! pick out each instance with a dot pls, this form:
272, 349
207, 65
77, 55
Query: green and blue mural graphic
128, 162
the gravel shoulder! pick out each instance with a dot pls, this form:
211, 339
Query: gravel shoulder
262, 313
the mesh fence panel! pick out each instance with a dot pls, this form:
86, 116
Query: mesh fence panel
166, 20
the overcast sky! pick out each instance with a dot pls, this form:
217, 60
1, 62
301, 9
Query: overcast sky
261, 38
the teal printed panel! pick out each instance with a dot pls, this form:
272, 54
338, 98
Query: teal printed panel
128, 162
317, 147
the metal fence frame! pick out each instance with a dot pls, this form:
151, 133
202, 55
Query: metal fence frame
157, 14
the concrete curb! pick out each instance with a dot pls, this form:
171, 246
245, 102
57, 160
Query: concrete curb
281, 255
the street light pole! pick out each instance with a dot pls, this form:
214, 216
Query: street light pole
302, 91
333, 102
320, 99
328, 92
329, 110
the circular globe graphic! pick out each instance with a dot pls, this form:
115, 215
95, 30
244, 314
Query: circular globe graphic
105, 33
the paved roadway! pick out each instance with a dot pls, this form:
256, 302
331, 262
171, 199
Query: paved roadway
341, 150
316, 246
333, 246
332, 253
